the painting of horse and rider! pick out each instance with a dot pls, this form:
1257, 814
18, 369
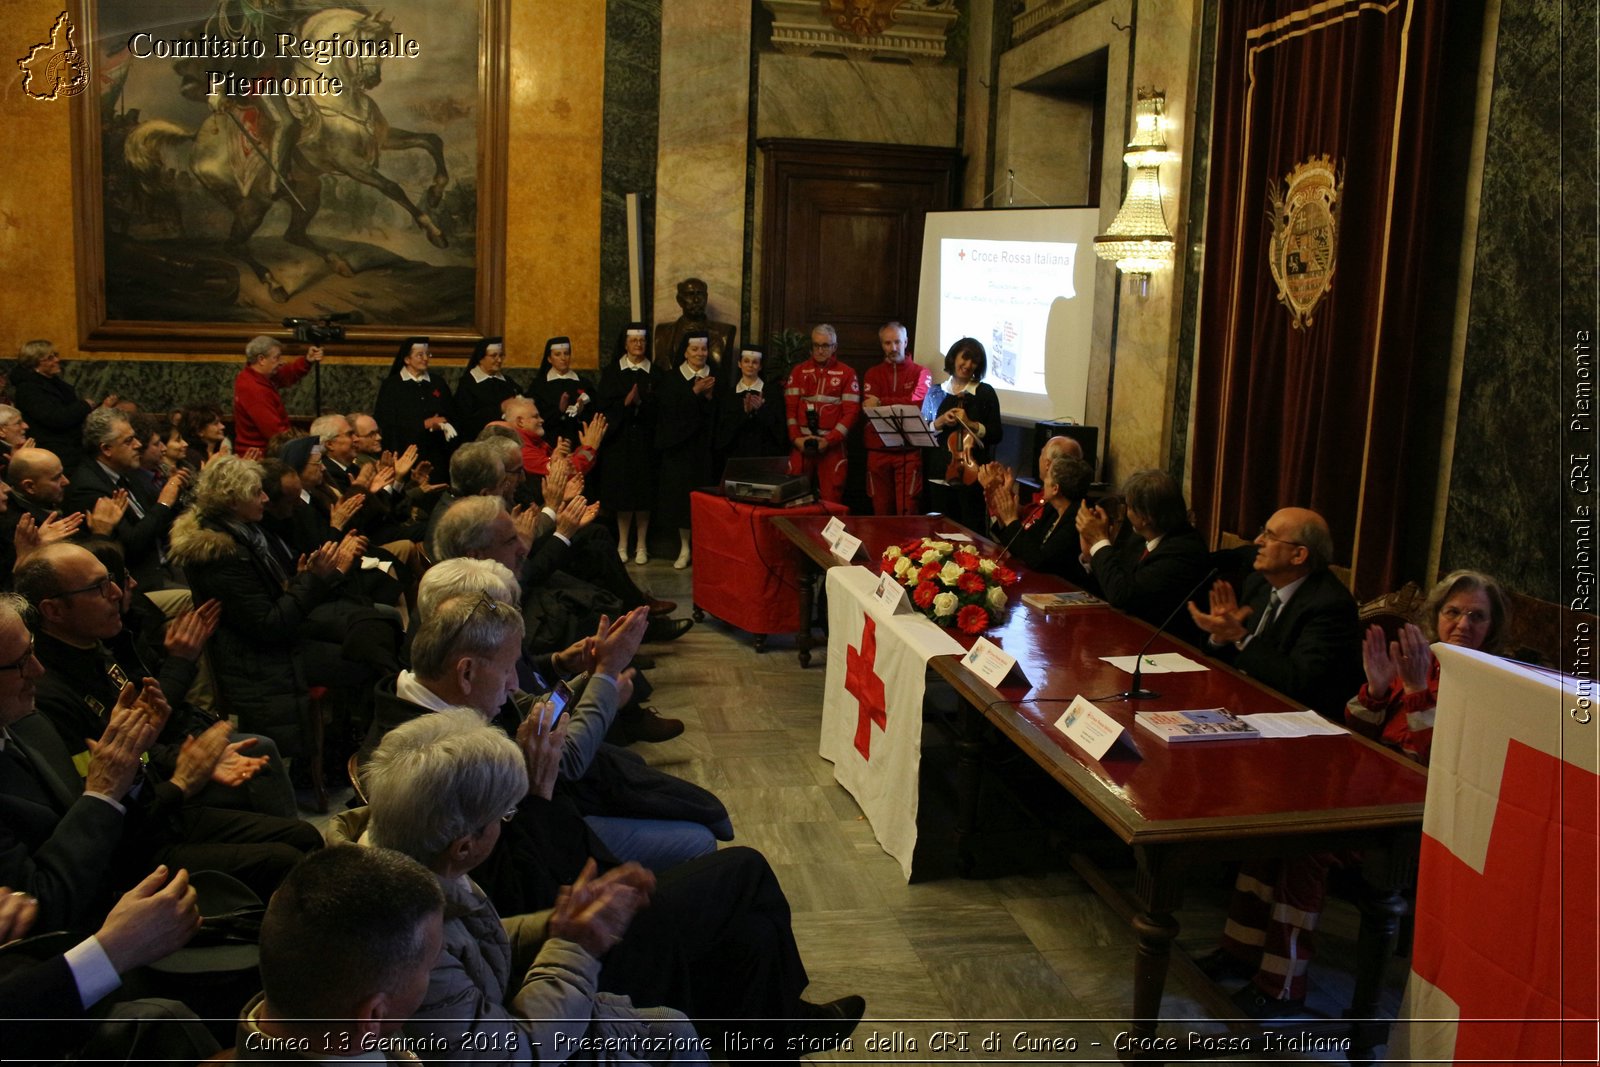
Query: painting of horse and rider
270, 158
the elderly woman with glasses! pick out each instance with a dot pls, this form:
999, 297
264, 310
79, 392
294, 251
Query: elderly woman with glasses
522, 989
1396, 705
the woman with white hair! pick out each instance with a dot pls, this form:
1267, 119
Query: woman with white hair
523, 989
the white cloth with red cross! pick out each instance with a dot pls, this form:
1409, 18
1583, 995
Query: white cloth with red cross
872, 704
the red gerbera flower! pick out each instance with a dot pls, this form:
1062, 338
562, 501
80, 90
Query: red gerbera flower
970, 582
972, 619
923, 595
1005, 575
928, 573
967, 561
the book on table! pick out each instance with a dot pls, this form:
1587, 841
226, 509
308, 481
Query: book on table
1060, 601
1206, 724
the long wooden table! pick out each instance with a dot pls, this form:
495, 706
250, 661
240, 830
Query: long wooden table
1179, 806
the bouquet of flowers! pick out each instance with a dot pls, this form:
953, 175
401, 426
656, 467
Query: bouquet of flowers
950, 584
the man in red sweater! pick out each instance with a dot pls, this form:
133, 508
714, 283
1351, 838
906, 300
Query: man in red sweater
258, 411
894, 474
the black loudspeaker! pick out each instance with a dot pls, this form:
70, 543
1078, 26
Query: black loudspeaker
1088, 438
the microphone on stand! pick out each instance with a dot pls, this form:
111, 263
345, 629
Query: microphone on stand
1136, 689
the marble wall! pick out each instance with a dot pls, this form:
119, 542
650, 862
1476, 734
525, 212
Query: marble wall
1504, 509
702, 153
628, 163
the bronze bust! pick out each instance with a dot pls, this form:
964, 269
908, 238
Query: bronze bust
692, 294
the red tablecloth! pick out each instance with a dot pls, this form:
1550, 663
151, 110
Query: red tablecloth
745, 572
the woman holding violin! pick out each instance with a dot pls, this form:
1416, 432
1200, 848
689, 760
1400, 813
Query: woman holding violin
967, 417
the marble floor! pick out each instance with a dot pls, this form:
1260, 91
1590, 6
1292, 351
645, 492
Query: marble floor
1025, 953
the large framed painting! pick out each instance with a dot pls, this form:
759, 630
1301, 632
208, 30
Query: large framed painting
240, 162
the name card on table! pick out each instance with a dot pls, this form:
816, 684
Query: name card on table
892, 595
1093, 730
845, 547
831, 532
991, 662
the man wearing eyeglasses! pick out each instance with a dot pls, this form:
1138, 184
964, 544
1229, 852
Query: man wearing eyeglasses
1297, 629
822, 401
110, 466
79, 607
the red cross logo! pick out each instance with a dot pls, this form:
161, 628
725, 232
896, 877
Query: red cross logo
1521, 935
961, 254
863, 683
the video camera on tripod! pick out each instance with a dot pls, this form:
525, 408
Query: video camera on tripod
319, 331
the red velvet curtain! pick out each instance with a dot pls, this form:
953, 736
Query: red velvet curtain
1321, 416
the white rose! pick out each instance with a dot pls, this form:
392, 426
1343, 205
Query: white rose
987, 566
942, 546
892, 552
997, 598
945, 604
951, 573
930, 556
902, 566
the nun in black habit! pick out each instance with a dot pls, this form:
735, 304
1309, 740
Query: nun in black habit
415, 407
564, 396
483, 387
628, 458
685, 433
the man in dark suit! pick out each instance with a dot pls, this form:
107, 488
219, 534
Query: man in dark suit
1152, 573
111, 462
59, 833
1297, 629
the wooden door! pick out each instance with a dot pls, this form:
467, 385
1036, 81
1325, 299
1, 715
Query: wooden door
842, 244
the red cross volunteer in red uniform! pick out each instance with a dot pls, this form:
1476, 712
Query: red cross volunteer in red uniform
822, 401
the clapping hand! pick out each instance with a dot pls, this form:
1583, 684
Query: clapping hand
187, 634
594, 431
595, 912
235, 768
31, 537
345, 510
107, 512
1225, 621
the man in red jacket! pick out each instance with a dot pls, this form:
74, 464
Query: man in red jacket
894, 473
258, 411
822, 401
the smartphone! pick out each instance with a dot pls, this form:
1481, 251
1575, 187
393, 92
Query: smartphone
561, 698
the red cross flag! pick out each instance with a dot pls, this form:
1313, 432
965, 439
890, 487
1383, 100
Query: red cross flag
1504, 964
872, 704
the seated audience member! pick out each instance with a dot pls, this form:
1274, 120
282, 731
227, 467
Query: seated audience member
79, 608
1272, 919
368, 437
348, 944
1047, 538
52, 407
258, 410
538, 448
558, 608
716, 940
894, 472
414, 406
43, 1004
1155, 571
112, 463
1297, 628
251, 776
202, 428
13, 433
466, 652
269, 649
526, 986
30, 508
71, 838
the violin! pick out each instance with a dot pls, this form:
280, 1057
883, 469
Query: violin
962, 469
